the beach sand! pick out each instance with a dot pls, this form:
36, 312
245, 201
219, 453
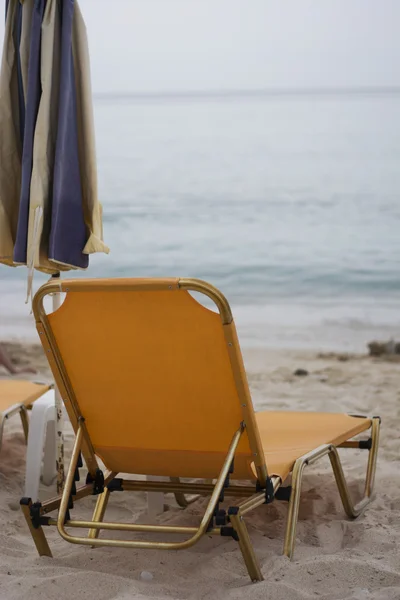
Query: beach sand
335, 558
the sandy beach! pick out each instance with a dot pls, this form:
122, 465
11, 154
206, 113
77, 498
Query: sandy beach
335, 558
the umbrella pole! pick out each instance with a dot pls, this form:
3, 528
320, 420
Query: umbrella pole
59, 412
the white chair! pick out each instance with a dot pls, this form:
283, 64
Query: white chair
42, 435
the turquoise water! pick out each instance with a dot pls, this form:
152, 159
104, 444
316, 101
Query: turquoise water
290, 204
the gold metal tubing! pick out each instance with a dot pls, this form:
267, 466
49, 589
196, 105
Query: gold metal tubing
133, 527
256, 502
246, 548
37, 534
221, 479
92, 464
99, 511
294, 503
291, 525
25, 422
100, 542
354, 510
205, 489
351, 510
70, 479
197, 285
314, 455
242, 387
151, 528
373, 455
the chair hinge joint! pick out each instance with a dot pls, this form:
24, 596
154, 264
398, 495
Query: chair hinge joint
229, 532
283, 493
98, 482
365, 444
36, 515
268, 489
116, 485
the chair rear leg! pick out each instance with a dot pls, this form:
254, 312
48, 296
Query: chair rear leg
37, 532
246, 547
99, 512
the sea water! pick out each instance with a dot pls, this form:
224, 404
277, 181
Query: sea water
289, 203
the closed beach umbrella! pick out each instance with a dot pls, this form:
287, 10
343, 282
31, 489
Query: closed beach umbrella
50, 215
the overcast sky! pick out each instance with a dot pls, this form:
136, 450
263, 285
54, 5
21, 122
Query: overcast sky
155, 45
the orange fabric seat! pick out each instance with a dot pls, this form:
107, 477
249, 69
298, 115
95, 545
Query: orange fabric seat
13, 391
285, 436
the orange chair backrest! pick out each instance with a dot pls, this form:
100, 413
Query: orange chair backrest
158, 377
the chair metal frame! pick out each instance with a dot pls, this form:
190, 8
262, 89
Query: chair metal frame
250, 496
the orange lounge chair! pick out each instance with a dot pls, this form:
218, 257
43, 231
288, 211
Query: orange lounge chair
154, 384
16, 397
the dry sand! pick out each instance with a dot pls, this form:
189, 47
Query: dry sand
335, 559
